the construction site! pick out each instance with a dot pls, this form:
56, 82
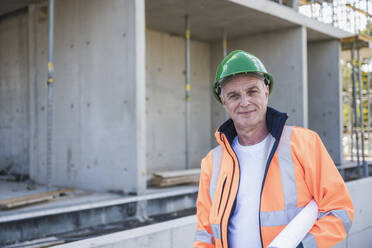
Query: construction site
107, 109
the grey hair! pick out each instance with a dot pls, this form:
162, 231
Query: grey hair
225, 80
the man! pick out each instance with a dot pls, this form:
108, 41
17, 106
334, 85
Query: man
263, 172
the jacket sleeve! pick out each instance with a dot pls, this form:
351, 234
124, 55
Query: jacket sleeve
203, 235
329, 191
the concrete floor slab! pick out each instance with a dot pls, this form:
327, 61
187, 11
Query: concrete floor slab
166, 234
238, 17
78, 201
82, 211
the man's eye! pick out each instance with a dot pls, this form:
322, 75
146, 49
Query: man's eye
233, 96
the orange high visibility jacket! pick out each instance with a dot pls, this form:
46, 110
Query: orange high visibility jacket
298, 169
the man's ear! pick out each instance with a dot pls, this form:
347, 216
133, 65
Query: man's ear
267, 90
222, 98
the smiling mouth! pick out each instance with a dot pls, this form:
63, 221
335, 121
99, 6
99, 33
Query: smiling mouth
246, 112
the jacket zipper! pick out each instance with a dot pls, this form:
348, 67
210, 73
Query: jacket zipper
228, 196
223, 187
272, 152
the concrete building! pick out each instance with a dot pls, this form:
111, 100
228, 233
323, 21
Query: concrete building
119, 105
119, 91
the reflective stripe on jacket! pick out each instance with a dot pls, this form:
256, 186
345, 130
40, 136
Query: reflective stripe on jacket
298, 169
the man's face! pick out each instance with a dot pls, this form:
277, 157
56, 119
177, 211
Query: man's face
245, 99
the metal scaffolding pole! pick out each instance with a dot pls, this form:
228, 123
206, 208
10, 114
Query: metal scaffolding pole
351, 129
347, 13
361, 120
355, 125
367, 12
369, 107
350, 118
333, 14
187, 93
355, 25
224, 43
50, 82
224, 53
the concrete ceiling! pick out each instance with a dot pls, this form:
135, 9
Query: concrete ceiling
8, 6
208, 18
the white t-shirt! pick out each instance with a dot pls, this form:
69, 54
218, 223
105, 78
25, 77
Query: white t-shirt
243, 228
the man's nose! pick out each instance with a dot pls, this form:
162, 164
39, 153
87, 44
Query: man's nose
244, 100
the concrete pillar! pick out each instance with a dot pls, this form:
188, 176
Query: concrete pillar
14, 111
99, 130
284, 54
325, 92
165, 76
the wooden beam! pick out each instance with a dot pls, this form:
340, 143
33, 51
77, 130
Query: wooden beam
177, 173
38, 243
171, 178
360, 40
32, 199
358, 10
308, 2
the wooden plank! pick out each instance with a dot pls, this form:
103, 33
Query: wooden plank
171, 178
360, 41
358, 10
32, 199
47, 244
357, 38
16, 204
308, 2
163, 182
22, 198
38, 243
178, 173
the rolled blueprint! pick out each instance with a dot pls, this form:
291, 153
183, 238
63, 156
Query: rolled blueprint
297, 228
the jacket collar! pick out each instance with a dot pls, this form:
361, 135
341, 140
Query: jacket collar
275, 122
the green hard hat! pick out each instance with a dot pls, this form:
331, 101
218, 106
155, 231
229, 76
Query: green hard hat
238, 62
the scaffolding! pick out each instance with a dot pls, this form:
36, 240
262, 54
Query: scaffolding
356, 100
352, 16
349, 15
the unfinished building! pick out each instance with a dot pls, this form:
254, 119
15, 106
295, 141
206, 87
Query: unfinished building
119, 107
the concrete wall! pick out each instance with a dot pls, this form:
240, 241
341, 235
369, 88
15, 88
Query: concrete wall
165, 75
99, 94
182, 230
284, 54
360, 234
175, 233
14, 111
325, 89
